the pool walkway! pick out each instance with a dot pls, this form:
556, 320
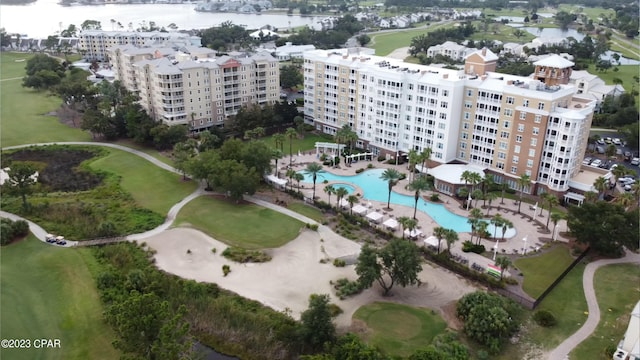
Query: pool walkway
534, 231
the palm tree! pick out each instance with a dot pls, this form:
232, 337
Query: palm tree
487, 183
476, 195
414, 158
466, 177
424, 157
391, 176
555, 218
411, 224
497, 220
504, 263
481, 230
523, 181
506, 224
503, 187
299, 177
474, 218
625, 200
490, 196
329, 189
619, 171
313, 169
352, 199
474, 179
418, 185
278, 140
276, 154
551, 201
590, 196
291, 134
450, 237
291, 174
600, 184
403, 221
440, 233
340, 194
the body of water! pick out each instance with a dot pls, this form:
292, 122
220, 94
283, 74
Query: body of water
374, 188
46, 17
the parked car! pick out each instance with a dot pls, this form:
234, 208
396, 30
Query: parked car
635, 161
50, 238
608, 140
60, 240
600, 142
600, 149
627, 156
596, 162
617, 141
586, 161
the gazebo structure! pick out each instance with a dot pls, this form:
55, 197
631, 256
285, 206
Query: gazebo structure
329, 148
358, 157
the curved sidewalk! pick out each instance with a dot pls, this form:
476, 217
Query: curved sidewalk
562, 351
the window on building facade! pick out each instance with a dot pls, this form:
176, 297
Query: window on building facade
469, 92
534, 142
516, 149
508, 112
540, 106
520, 127
537, 118
503, 145
518, 138
515, 159
502, 155
523, 115
510, 100
514, 169
525, 103
536, 131
506, 124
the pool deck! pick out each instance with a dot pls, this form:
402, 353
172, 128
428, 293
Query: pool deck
534, 231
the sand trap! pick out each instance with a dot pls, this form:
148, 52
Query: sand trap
294, 273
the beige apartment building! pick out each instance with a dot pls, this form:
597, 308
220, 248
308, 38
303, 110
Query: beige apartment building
195, 87
505, 125
94, 44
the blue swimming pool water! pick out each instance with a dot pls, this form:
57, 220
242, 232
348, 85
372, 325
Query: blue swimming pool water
350, 189
375, 188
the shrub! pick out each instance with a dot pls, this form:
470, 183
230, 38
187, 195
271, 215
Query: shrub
402, 176
339, 263
381, 158
313, 227
358, 171
345, 288
244, 256
435, 197
12, 230
188, 251
214, 250
544, 318
335, 310
468, 246
226, 269
370, 166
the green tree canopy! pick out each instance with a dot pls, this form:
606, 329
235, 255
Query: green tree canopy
317, 329
398, 262
290, 77
604, 226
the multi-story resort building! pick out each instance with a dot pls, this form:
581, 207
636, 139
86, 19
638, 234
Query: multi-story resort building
193, 86
94, 44
501, 124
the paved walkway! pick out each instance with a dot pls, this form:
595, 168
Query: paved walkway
562, 351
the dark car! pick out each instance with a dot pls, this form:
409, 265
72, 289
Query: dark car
627, 155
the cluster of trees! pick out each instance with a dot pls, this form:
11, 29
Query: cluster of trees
43, 72
489, 319
604, 226
619, 111
226, 37
421, 43
268, 117
625, 19
11, 230
344, 28
235, 168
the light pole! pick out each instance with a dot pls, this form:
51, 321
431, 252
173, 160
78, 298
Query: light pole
524, 247
535, 209
468, 201
495, 250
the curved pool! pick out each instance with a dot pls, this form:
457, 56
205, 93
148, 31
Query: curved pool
374, 188
350, 189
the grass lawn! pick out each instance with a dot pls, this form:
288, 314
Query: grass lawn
592, 13
624, 73
145, 149
504, 33
540, 271
400, 330
306, 210
49, 292
23, 111
228, 222
618, 290
299, 144
151, 187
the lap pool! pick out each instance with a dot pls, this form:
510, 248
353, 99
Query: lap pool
376, 189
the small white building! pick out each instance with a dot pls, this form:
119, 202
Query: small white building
289, 51
629, 346
592, 87
264, 33
451, 49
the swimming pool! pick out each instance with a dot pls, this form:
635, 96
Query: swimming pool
350, 189
374, 188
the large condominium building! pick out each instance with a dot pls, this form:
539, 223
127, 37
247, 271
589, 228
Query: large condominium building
195, 87
507, 125
94, 44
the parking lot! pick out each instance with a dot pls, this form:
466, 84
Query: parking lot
608, 138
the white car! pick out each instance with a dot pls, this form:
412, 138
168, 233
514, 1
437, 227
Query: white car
617, 141
596, 162
635, 161
586, 161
